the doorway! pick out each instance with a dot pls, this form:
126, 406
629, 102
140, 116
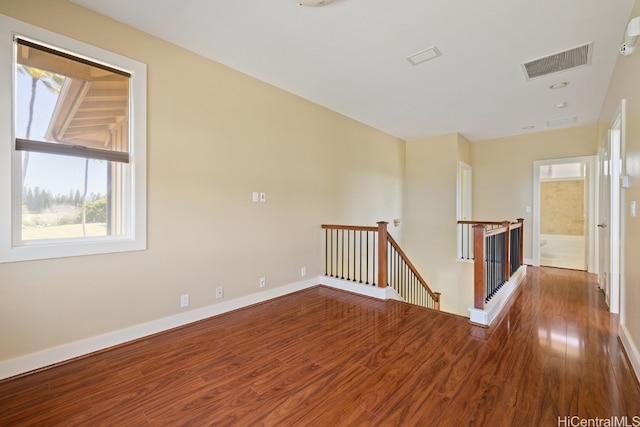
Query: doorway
564, 212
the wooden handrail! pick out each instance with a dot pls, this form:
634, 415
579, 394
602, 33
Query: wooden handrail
489, 222
480, 222
493, 231
348, 227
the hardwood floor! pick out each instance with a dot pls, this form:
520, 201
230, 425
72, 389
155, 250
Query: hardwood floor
324, 357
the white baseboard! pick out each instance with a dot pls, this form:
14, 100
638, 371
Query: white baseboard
631, 349
358, 288
493, 308
51, 356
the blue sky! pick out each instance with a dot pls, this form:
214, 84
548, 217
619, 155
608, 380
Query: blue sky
59, 174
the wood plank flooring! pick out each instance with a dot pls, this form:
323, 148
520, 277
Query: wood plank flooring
323, 357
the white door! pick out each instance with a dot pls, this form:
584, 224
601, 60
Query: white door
609, 214
604, 208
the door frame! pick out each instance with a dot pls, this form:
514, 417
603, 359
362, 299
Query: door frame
616, 226
464, 206
590, 208
465, 191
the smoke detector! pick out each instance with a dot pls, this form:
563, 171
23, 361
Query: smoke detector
313, 3
631, 37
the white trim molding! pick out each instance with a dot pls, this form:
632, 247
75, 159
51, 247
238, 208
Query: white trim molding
590, 209
358, 288
134, 177
497, 303
632, 350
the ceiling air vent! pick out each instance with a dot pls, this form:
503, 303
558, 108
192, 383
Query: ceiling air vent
561, 61
424, 55
563, 121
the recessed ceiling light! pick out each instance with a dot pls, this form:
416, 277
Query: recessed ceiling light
559, 85
424, 55
561, 105
528, 127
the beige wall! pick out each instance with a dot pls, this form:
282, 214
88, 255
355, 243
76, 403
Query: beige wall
562, 207
430, 198
214, 137
624, 85
502, 189
503, 171
464, 150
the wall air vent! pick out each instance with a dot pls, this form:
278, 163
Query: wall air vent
561, 61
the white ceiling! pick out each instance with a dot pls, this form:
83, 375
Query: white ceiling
350, 56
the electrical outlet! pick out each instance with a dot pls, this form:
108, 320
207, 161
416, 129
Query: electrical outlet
303, 271
184, 300
219, 292
255, 197
263, 282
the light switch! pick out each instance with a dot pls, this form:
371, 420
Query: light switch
624, 181
633, 208
263, 197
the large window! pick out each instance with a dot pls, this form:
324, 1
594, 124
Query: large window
76, 147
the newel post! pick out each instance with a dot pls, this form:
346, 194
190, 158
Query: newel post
521, 221
507, 250
478, 266
382, 254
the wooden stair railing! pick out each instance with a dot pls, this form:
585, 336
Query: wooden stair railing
371, 256
404, 277
466, 236
498, 249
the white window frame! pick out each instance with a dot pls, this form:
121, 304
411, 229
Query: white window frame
135, 236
